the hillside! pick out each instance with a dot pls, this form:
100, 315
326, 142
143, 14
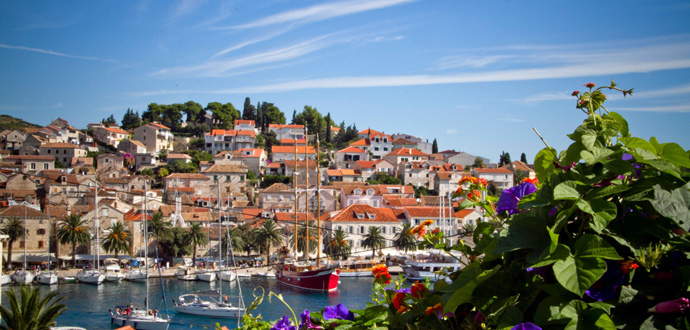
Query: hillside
9, 122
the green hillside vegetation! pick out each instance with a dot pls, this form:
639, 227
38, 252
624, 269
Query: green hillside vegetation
9, 122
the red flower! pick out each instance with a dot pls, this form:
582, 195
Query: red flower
398, 299
402, 309
575, 93
417, 290
483, 182
634, 266
678, 305
421, 232
590, 85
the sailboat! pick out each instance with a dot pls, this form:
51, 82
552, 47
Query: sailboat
93, 276
23, 276
217, 304
48, 277
137, 275
307, 275
140, 317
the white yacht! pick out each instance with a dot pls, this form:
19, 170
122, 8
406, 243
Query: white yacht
113, 272
90, 276
47, 277
206, 276
227, 275
135, 275
185, 273
192, 303
6, 279
434, 267
139, 317
23, 277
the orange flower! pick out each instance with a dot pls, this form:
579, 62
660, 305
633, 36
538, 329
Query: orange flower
417, 290
434, 308
575, 93
483, 182
402, 309
436, 231
468, 179
378, 269
534, 181
421, 232
590, 85
427, 222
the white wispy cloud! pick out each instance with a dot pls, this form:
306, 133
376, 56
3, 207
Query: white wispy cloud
454, 62
679, 90
263, 38
646, 59
9, 107
684, 108
185, 7
219, 68
50, 52
383, 39
451, 131
542, 97
322, 12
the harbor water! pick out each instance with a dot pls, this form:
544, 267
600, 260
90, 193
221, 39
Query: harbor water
88, 305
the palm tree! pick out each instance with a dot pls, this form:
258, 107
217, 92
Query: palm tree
336, 245
14, 228
158, 227
237, 238
118, 240
33, 311
405, 240
374, 240
468, 229
73, 230
269, 234
302, 239
196, 236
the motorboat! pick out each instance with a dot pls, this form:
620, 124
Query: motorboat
309, 277
434, 267
268, 273
6, 279
113, 272
68, 279
193, 303
138, 317
206, 276
23, 277
47, 277
357, 268
227, 275
135, 275
90, 276
185, 273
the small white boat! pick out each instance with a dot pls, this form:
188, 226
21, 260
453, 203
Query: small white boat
135, 275
227, 275
47, 277
139, 317
434, 267
23, 277
6, 279
206, 276
113, 272
67, 328
192, 303
185, 273
269, 273
90, 277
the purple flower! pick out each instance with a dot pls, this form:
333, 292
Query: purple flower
541, 271
526, 326
564, 168
405, 290
607, 286
510, 197
553, 211
626, 156
306, 321
672, 306
284, 324
339, 312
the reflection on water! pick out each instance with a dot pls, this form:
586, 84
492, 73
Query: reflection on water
88, 305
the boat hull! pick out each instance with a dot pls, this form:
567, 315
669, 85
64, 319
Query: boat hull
135, 276
23, 278
47, 278
113, 277
322, 279
140, 322
6, 279
206, 277
227, 276
210, 310
90, 277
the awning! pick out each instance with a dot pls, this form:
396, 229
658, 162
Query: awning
33, 257
91, 257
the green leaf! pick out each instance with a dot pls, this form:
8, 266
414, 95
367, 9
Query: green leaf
622, 124
524, 232
558, 310
543, 163
589, 140
566, 191
604, 212
674, 205
593, 246
578, 274
466, 283
635, 142
593, 319
596, 155
560, 253
675, 154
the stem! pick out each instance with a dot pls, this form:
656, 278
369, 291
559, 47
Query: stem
544, 141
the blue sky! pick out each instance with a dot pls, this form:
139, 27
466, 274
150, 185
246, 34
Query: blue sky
475, 75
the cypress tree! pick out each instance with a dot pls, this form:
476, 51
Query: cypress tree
434, 147
328, 128
259, 117
523, 158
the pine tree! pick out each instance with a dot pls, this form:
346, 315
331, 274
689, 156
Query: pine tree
248, 113
131, 119
434, 147
504, 158
328, 128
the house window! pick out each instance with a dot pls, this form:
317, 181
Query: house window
48, 151
383, 230
21, 244
394, 230
40, 244
227, 178
339, 228
376, 148
362, 230
41, 232
33, 166
65, 152
385, 148
241, 178
350, 230
215, 178
45, 166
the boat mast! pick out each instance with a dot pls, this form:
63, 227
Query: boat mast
146, 248
306, 194
294, 186
220, 250
318, 201
26, 205
50, 232
95, 225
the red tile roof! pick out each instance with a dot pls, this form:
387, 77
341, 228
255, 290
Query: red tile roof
366, 163
352, 149
244, 122
407, 151
158, 126
364, 213
424, 211
493, 170
291, 149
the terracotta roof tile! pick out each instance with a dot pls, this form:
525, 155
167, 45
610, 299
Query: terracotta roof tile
364, 213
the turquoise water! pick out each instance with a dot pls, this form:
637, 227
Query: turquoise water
88, 305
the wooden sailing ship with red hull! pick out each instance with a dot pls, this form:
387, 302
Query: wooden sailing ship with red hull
316, 276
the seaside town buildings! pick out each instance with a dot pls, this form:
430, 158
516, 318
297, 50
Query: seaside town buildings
340, 191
